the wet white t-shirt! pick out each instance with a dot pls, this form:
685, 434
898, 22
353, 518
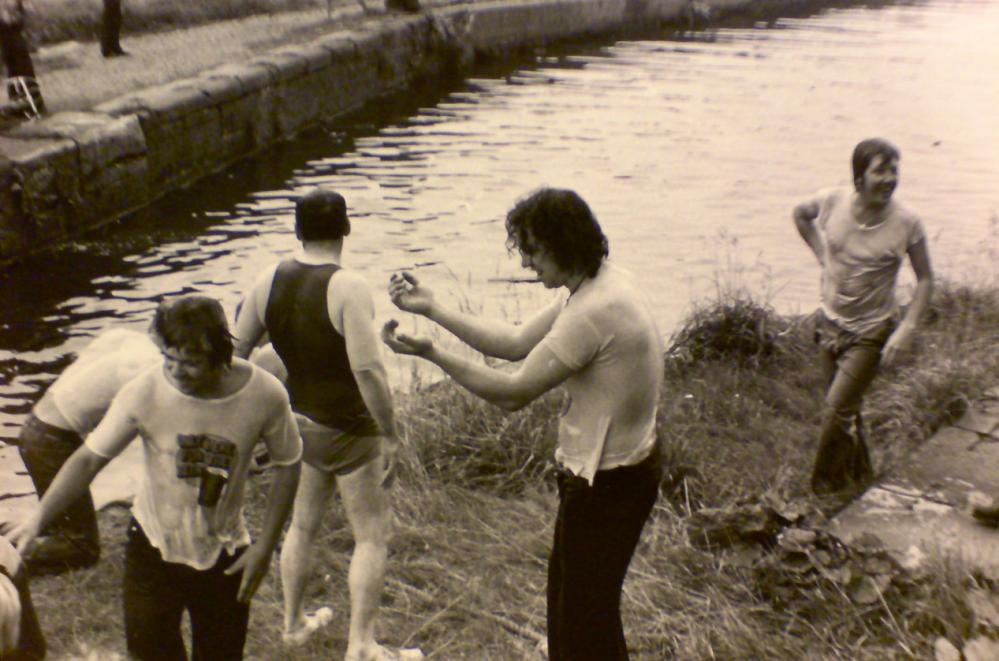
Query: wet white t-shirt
862, 262
84, 390
606, 333
183, 434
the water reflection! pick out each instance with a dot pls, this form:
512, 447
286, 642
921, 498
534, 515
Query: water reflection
691, 152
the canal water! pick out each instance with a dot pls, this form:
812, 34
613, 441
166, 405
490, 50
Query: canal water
691, 149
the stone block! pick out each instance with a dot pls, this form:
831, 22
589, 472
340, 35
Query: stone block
112, 162
316, 57
48, 170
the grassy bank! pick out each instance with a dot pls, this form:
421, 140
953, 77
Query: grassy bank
53, 21
475, 502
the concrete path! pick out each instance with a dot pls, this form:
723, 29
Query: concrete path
923, 507
74, 75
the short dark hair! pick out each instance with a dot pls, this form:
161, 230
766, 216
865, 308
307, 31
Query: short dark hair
195, 323
561, 223
866, 150
321, 215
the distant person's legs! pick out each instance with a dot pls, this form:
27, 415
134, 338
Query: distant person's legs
111, 29
17, 63
74, 540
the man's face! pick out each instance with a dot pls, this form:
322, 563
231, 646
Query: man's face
879, 180
539, 260
191, 371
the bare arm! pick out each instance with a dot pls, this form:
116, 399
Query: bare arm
493, 338
255, 561
919, 258
353, 312
71, 482
250, 328
804, 219
539, 373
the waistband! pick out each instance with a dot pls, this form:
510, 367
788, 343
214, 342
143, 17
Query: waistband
652, 461
42, 427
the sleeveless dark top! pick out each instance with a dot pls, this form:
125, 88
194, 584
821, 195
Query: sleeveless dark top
320, 382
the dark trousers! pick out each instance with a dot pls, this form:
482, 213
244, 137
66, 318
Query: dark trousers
849, 364
44, 449
111, 27
596, 532
156, 594
16, 58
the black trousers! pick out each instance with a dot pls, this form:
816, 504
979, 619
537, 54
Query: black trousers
596, 532
156, 593
111, 27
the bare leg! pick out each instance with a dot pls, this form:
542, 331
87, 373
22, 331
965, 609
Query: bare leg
367, 505
314, 490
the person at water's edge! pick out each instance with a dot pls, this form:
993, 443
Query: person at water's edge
320, 319
69, 410
860, 236
199, 413
598, 338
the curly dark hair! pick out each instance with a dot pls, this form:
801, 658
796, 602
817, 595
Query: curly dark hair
560, 222
195, 323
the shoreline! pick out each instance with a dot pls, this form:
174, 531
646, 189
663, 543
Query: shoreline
77, 170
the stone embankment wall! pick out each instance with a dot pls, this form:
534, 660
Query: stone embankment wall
73, 171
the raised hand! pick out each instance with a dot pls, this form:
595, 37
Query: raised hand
409, 295
408, 345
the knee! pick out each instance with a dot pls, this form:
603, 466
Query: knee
374, 531
841, 413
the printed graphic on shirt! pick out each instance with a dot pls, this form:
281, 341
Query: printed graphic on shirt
206, 457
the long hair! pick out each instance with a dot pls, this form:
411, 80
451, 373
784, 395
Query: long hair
560, 222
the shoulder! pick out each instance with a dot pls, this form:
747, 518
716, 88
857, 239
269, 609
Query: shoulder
143, 388
834, 196
350, 279
348, 287
266, 277
262, 382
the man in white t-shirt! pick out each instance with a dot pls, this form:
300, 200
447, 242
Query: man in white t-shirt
70, 408
601, 341
861, 237
199, 414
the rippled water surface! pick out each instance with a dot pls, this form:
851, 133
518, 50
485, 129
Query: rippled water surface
691, 151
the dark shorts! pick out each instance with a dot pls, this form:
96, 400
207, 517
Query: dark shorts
334, 451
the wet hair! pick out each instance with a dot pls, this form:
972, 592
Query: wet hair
197, 324
321, 215
561, 223
866, 151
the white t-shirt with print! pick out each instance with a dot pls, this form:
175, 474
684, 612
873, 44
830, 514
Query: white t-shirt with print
166, 506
